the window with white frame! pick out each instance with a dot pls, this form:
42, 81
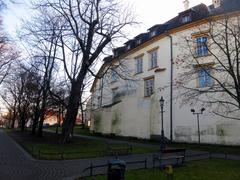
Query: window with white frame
138, 65
153, 33
148, 87
114, 75
204, 77
186, 18
139, 41
153, 59
201, 46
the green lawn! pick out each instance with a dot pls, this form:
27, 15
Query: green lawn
202, 147
78, 149
48, 147
214, 169
75, 150
209, 148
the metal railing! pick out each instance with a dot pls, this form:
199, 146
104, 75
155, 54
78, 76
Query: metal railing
91, 170
66, 155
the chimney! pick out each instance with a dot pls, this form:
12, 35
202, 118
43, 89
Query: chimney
186, 4
216, 3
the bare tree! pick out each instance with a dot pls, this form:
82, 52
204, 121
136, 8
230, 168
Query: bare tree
90, 27
211, 60
42, 34
8, 54
9, 96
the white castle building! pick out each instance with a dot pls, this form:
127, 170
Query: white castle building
175, 60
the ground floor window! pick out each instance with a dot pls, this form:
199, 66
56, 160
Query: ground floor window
148, 86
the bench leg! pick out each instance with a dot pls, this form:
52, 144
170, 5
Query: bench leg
153, 162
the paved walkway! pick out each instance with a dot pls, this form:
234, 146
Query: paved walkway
16, 164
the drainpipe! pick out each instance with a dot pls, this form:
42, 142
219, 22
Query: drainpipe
101, 91
171, 88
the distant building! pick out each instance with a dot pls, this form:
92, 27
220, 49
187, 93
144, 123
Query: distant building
52, 117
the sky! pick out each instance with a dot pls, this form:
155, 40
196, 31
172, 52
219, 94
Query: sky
148, 13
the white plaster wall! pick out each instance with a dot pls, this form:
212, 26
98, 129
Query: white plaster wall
214, 129
139, 116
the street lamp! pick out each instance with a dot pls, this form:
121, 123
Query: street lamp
198, 113
161, 101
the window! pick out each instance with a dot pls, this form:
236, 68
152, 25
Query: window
139, 41
153, 33
114, 95
148, 87
186, 18
114, 76
138, 65
204, 78
201, 46
153, 59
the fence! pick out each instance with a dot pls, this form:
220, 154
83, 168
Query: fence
210, 155
94, 170
39, 154
111, 149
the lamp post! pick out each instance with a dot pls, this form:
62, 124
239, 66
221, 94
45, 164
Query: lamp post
161, 101
198, 113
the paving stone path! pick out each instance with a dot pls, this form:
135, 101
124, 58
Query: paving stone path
16, 164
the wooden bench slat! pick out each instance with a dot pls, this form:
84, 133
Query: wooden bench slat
119, 149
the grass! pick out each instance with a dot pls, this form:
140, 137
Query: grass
76, 130
50, 148
209, 148
214, 169
203, 147
74, 150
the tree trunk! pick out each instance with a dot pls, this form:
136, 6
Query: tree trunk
22, 120
36, 113
35, 120
42, 116
43, 109
82, 116
72, 111
59, 118
14, 114
40, 125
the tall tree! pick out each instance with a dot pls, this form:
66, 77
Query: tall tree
90, 28
42, 34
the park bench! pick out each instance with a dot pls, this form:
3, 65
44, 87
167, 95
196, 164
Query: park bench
174, 157
115, 149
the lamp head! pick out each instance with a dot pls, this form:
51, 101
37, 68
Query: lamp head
192, 110
203, 109
161, 101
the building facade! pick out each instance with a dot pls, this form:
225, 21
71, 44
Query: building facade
125, 101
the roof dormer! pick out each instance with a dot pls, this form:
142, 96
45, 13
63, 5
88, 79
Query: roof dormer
129, 44
156, 29
186, 16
